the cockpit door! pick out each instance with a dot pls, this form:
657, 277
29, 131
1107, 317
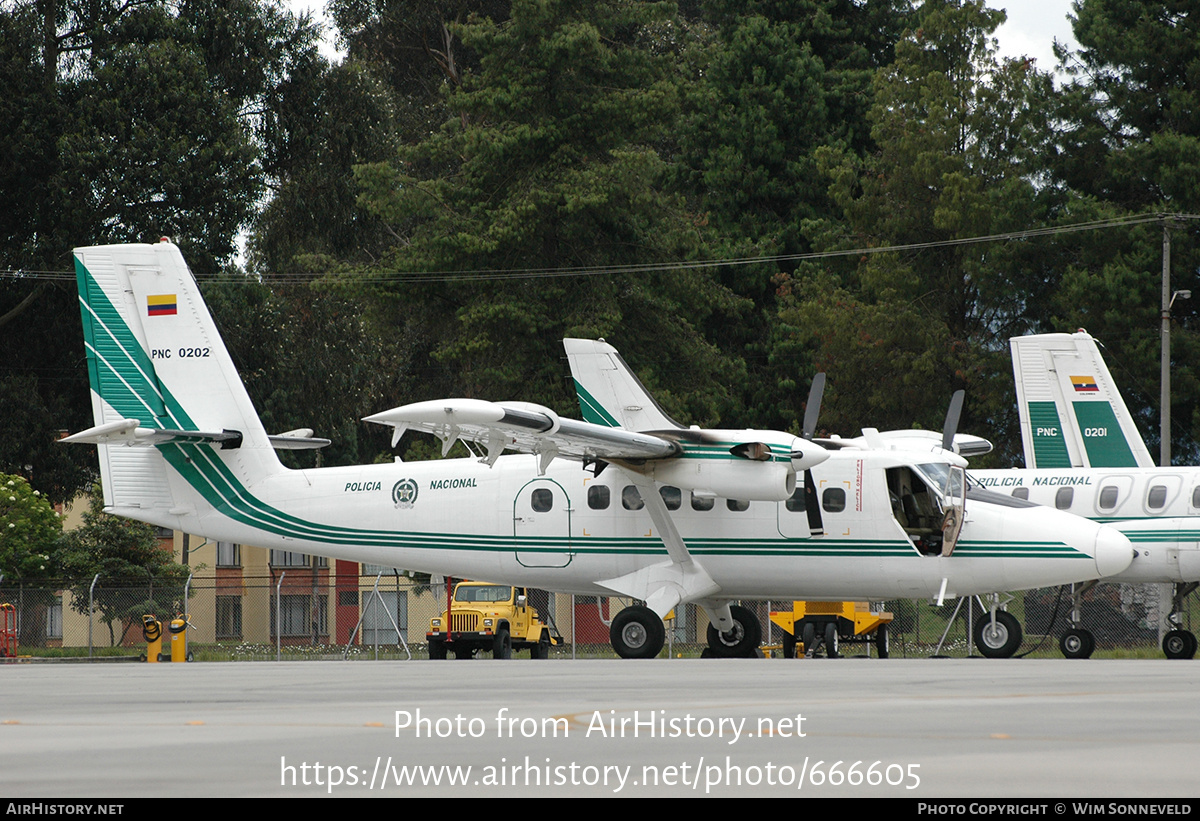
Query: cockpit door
954, 505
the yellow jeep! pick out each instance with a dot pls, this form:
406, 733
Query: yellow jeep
494, 618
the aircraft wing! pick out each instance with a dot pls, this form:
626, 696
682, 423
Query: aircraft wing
524, 427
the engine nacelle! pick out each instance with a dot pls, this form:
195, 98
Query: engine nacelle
730, 479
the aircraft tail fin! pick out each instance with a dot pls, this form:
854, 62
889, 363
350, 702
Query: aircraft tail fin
1071, 412
609, 392
165, 392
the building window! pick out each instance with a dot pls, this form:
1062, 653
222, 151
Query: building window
54, 619
229, 617
288, 558
376, 569
229, 554
296, 616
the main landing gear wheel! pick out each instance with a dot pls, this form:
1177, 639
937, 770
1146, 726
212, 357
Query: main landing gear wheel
742, 639
1077, 643
1179, 644
789, 646
809, 636
502, 645
637, 633
881, 641
1000, 641
831, 640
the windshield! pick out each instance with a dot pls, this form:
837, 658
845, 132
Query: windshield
941, 477
475, 593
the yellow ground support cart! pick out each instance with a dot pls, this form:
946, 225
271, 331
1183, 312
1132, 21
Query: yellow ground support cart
827, 624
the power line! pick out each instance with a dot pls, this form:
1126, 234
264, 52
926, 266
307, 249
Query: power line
416, 277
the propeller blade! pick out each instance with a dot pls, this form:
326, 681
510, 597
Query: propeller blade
813, 408
811, 506
952, 416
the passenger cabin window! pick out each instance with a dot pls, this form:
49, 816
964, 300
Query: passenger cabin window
1021, 493
541, 500
737, 505
795, 502
1108, 497
631, 499
671, 496
1196, 497
702, 502
599, 497
1157, 497
1064, 498
833, 500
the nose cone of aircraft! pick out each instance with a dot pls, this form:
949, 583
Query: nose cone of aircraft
1114, 552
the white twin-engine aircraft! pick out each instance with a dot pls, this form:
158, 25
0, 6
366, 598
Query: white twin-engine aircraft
1085, 456
680, 515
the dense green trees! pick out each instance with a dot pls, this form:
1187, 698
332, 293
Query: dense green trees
477, 178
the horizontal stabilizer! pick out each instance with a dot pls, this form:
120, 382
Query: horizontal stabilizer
299, 439
129, 432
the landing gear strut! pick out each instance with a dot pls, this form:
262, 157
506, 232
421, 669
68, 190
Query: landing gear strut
1179, 643
998, 633
743, 638
1078, 642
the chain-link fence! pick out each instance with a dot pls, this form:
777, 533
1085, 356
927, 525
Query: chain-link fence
320, 615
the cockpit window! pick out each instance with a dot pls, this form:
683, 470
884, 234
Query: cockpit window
941, 478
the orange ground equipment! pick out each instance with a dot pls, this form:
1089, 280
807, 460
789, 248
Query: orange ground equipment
8, 631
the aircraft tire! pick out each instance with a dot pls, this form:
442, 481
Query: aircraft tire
437, 650
742, 640
1077, 643
809, 636
1001, 643
1179, 644
882, 645
637, 633
502, 644
831, 640
789, 646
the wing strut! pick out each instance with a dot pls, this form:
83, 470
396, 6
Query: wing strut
663, 586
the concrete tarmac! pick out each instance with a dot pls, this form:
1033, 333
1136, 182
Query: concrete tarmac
917, 729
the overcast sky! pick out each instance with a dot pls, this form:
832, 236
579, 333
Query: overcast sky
1030, 31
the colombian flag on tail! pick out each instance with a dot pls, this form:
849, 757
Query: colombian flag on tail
160, 305
1084, 384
